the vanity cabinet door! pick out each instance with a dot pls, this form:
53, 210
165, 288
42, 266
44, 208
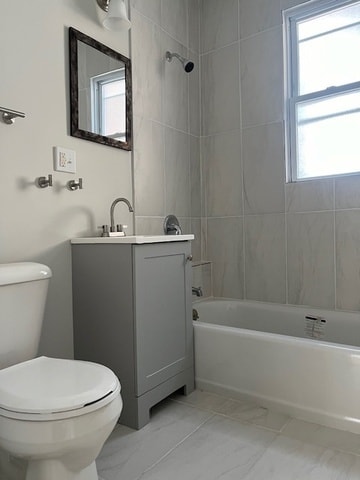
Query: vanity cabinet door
163, 326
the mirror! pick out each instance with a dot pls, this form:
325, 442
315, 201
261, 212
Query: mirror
100, 92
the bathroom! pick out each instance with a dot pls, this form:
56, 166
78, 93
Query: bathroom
267, 240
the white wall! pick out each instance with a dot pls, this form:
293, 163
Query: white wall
36, 224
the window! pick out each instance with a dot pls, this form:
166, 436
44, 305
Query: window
322, 68
109, 102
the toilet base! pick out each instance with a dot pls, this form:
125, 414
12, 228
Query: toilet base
56, 450
11, 468
56, 470
16, 469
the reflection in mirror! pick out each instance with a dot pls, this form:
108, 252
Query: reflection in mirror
100, 84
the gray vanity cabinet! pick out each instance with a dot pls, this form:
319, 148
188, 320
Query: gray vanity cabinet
132, 313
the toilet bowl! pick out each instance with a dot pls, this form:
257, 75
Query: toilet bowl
55, 414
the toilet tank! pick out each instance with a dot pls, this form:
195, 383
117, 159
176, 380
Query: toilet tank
23, 289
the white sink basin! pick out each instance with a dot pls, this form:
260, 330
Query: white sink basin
137, 239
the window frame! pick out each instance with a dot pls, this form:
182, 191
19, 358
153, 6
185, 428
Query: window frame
292, 98
97, 99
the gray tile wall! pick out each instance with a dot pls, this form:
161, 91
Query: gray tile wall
209, 147
268, 240
166, 103
221, 146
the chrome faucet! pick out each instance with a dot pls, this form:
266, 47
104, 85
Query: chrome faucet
197, 291
113, 205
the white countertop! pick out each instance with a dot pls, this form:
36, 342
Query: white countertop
136, 239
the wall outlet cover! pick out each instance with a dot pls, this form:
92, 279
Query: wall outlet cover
64, 160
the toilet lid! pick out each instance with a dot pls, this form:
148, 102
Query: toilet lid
49, 385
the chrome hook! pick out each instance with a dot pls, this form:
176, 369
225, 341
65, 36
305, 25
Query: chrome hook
75, 185
44, 182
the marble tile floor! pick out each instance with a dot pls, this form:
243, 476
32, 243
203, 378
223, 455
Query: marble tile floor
208, 437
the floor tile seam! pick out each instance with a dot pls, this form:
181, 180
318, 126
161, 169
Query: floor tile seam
198, 407
276, 437
290, 419
262, 454
239, 420
262, 427
248, 422
318, 444
208, 410
205, 409
328, 447
347, 452
172, 449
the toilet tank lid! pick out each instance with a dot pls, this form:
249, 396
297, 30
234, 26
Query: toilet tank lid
23, 272
51, 385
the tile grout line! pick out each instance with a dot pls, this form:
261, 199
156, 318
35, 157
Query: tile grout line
177, 445
278, 433
229, 417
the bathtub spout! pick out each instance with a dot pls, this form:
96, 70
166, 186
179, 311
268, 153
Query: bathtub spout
197, 291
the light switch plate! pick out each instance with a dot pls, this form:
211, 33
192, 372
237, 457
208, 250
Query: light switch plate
64, 160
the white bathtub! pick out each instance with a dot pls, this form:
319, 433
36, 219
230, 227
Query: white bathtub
308, 368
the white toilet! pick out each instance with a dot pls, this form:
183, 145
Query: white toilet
55, 414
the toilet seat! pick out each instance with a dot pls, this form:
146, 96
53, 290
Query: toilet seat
44, 389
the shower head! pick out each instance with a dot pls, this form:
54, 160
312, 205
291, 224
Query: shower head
187, 64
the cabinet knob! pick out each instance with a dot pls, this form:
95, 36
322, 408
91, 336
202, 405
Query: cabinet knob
189, 258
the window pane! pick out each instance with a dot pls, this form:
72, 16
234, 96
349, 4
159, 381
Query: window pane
113, 122
329, 60
328, 138
113, 109
329, 48
342, 17
114, 88
109, 104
